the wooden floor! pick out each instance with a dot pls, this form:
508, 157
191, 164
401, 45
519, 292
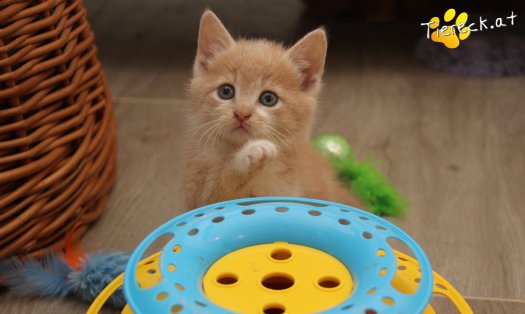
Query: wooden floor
455, 146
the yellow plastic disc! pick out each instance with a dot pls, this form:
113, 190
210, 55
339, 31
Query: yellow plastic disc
407, 278
247, 294
278, 277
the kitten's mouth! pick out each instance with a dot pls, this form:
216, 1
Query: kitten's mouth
242, 128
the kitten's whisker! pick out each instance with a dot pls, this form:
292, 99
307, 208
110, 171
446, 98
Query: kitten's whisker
213, 135
207, 131
281, 126
283, 139
217, 133
223, 132
275, 137
206, 114
212, 129
276, 134
271, 133
196, 128
278, 127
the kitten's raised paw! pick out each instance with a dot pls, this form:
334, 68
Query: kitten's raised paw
254, 154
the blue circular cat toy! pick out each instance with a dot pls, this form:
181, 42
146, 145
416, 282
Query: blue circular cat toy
253, 244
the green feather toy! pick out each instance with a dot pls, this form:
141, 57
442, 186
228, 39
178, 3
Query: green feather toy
363, 178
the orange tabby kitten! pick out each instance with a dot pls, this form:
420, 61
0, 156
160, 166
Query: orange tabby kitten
253, 105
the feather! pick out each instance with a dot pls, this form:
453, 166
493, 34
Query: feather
96, 272
363, 178
34, 278
72, 251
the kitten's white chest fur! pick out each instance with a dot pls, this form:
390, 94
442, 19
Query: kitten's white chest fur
270, 181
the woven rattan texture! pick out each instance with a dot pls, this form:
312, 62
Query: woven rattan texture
57, 133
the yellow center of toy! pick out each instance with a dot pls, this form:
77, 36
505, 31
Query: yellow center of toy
277, 278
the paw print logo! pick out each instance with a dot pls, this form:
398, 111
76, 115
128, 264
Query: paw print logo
451, 35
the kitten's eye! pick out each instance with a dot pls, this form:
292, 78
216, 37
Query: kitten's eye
226, 91
268, 98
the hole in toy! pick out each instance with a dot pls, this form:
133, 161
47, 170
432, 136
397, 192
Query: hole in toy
161, 296
219, 208
344, 210
364, 218
314, 213
370, 311
418, 280
227, 279
180, 224
278, 281
199, 215
347, 307
176, 308
200, 303
400, 246
440, 286
281, 209
274, 309
367, 235
172, 267
277, 201
381, 252
380, 228
329, 282
149, 267
158, 244
179, 287
388, 301
398, 281
371, 291
383, 271
443, 304
217, 219
281, 254
344, 222
248, 211
193, 232
177, 249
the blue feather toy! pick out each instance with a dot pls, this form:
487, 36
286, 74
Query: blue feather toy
73, 273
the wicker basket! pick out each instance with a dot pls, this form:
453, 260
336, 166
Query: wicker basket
57, 134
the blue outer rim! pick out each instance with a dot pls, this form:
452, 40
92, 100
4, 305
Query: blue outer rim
200, 252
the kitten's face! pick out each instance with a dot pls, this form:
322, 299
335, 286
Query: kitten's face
254, 89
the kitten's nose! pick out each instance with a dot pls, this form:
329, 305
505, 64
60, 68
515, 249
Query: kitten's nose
242, 115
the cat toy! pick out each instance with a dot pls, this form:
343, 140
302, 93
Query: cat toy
276, 255
363, 178
71, 272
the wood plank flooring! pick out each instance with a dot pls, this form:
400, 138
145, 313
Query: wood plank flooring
455, 146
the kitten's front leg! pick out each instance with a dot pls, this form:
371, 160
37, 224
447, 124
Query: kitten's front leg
254, 155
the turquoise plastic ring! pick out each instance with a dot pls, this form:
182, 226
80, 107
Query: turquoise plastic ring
204, 235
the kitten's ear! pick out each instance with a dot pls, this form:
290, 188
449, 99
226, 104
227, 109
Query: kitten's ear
213, 38
309, 55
